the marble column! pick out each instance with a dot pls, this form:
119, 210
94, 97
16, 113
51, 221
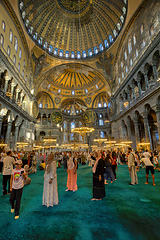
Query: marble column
16, 135
133, 92
139, 86
12, 89
147, 129
155, 73
8, 132
137, 134
6, 83
146, 80
17, 93
158, 120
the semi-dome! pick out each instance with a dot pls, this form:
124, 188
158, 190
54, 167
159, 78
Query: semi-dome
73, 29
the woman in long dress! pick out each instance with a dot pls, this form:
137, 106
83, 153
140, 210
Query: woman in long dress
50, 194
72, 174
98, 178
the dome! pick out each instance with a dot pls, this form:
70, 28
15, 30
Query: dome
101, 100
44, 100
73, 29
72, 80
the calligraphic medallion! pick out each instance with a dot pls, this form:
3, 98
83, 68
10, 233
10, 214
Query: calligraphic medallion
35, 109
56, 117
89, 117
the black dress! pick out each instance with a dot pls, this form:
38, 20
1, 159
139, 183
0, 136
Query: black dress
98, 186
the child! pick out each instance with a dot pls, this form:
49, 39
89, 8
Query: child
17, 182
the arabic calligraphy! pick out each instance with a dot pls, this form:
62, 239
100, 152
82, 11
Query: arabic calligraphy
35, 109
56, 118
89, 117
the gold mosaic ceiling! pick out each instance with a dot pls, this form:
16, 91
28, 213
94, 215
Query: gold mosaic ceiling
73, 29
72, 80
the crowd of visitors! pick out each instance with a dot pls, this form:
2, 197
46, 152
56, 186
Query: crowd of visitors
16, 167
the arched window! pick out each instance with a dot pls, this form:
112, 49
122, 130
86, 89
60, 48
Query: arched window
55, 51
45, 45
100, 115
21, 5
40, 105
99, 105
86, 90
124, 10
89, 52
106, 44
110, 38
125, 55
101, 123
31, 30
65, 125
73, 92
78, 55
137, 53
23, 14
129, 46
115, 32
101, 47
72, 137
11, 36
67, 54
95, 50
26, 78
50, 49
143, 43
104, 104
27, 22
122, 75
121, 64
40, 40
131, 62
84, 55
134, 39
8, 50
20, 53
23, 73
122, 18
72, 55
3, 26
118, 26
142, 28
119, 80
15, 44
72, 125
14, 59
101, 134
61, 53
64, 137
35, 36
126, 69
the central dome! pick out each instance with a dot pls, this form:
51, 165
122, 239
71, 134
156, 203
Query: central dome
74, 6
74, 29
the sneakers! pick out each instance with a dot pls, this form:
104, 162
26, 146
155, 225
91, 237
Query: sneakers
66, 190
16, 217
12, 210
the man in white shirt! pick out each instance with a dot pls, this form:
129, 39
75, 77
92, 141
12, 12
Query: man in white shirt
149, 167
132, 167
146, 154
8, 163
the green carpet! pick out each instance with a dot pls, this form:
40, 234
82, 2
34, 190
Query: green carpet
127, 212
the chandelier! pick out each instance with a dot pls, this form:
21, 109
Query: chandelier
100, 140
22, 144
82, 130
2, 144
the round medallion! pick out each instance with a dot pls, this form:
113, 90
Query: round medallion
35, 109
89, 117
73, 6
56, 117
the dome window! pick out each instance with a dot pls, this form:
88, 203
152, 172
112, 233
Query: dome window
78, 55
86, 90
131, 62
45, 45
95, 50
115, 32
104, 104
110, 38
125, 55
84, 55
61, 53
122, 18
35, 36
101, 123
77, 111
67, 54
124, 10
89, 52
16, 44
96, 86
73, 92
106, 44
59, 90
118, 26
50, 49
55, 51
99, 105
11, 36
122, 75
40, 40
134, 39
21, 5
23, 14
72, 55
27, 23
101, 47
40, 105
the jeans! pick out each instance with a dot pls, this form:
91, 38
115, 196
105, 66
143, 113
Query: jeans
16, 195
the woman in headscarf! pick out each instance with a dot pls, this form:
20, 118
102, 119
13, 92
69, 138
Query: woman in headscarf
98, 178
50, 194
72, 174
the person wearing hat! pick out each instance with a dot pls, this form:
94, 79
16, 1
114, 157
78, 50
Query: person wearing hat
18, 176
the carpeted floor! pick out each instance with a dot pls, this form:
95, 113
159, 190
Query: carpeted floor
127, 212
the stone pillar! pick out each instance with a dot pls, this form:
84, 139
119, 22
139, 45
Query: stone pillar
133, 91
155, 73
146, 80
47, 119
41, 118
147, 129
8, 132
1, 120
12, 89
6, 83
128, 124
17, 92
137, 135
158, 120
139, 86
16, 135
